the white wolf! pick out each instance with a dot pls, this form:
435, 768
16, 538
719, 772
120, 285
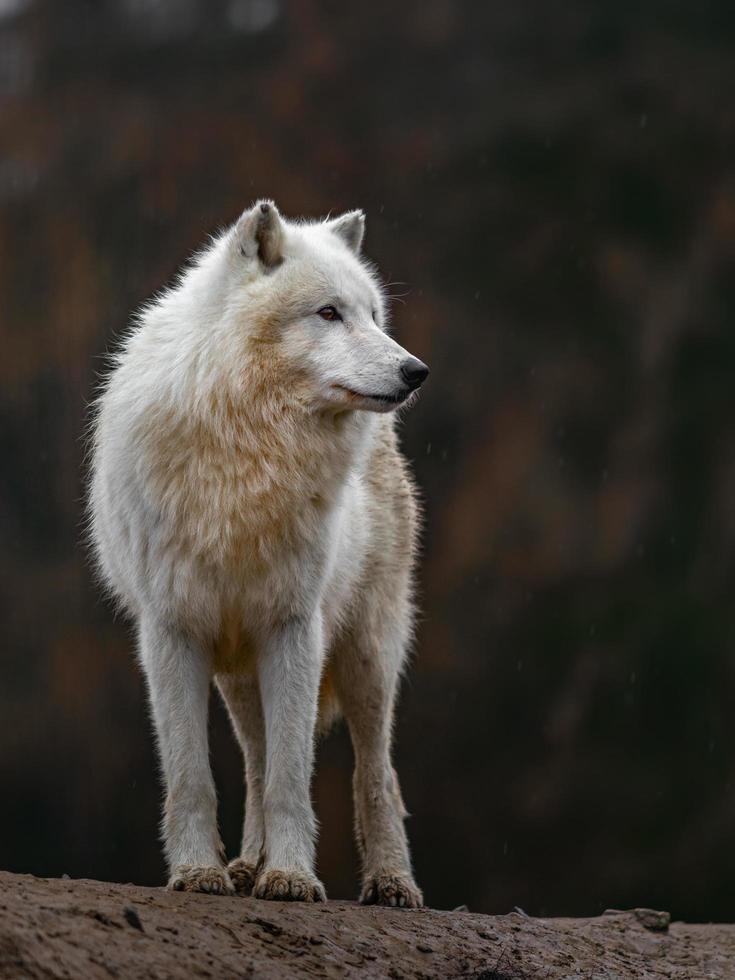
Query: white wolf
251, 509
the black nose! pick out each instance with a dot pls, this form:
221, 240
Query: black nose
414, 372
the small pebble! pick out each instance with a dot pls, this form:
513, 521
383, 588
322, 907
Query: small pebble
132, 918
653, 919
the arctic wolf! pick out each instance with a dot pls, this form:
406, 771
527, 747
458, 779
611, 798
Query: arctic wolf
251, 510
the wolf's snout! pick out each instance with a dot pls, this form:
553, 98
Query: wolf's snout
414, 372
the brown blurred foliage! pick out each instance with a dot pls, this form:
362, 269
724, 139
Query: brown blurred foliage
550, 192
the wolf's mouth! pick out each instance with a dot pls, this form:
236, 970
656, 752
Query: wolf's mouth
383, 399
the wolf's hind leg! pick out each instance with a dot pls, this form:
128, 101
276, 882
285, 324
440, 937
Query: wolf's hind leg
366, 679
289, 668
242, 697
178, 675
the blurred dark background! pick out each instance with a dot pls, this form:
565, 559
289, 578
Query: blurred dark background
551, 185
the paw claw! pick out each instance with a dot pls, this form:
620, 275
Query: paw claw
395, 891
210, 881
289, 886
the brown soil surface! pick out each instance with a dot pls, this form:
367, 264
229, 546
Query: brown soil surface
90, 929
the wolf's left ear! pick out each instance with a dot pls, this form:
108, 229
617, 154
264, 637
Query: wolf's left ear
351, 229
259, 232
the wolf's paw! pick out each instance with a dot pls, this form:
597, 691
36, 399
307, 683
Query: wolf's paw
289, 886
398, 891
213, 881
242, 875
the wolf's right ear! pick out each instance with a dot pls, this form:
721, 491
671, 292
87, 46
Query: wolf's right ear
351, 229
259, 233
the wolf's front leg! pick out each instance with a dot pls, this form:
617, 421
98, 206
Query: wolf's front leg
178, 675
289, 669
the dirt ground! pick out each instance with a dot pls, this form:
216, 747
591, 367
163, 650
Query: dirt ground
90, 929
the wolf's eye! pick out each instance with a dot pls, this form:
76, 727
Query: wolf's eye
329, 313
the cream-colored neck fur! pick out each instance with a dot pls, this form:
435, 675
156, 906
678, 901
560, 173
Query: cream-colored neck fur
248, 467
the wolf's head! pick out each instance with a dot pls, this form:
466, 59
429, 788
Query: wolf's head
314, 312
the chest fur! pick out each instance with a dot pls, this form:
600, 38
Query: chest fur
249, 498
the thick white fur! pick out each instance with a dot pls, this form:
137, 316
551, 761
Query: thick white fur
250, 508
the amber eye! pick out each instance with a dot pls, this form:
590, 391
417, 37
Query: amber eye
329, 313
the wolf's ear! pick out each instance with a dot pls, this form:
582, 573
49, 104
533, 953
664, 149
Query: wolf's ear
259, 232
351, 228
